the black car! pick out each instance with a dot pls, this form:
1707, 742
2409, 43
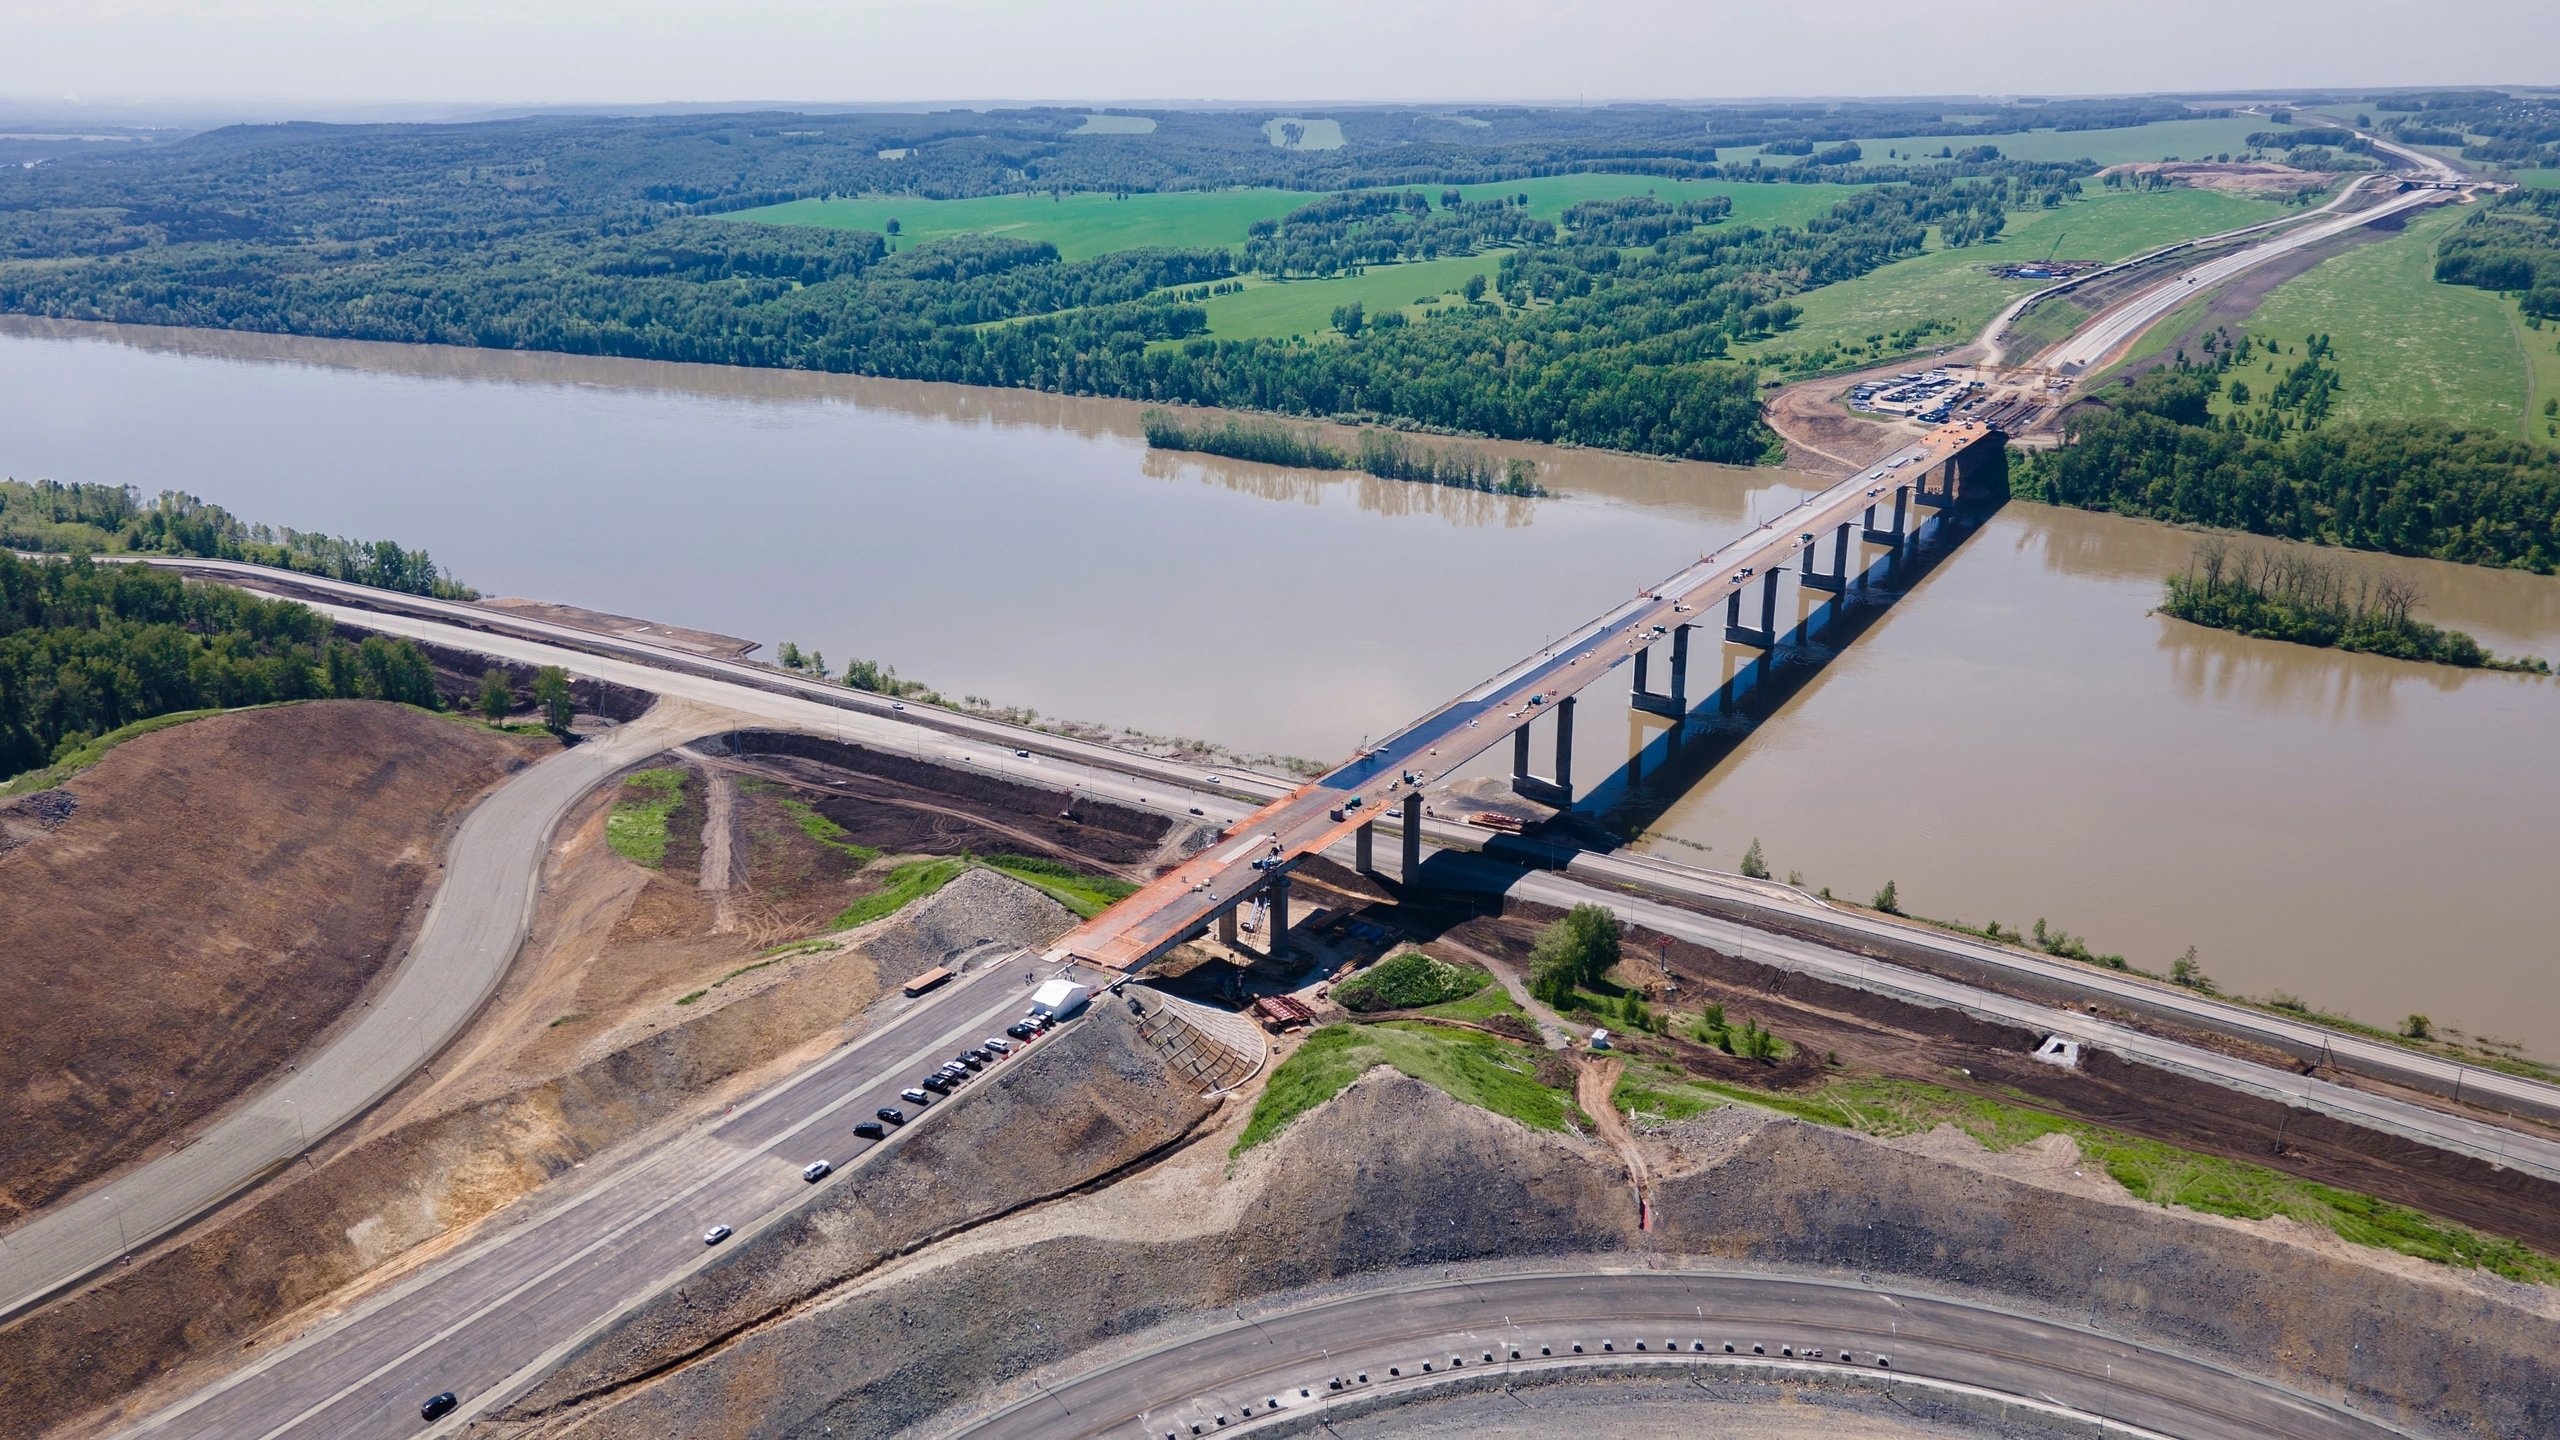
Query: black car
974, 1062
870, 1130
1019, 1030
892, 1114
938, 1083
438, 1406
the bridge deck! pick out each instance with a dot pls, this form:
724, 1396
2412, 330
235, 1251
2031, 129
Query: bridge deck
1158, 917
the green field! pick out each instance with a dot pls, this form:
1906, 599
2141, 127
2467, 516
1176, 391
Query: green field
1313, 134
1496, 1074
1082, 226
2539, 179
1116, 125
1955, 290
2407, 346
2185, 139
1266, 309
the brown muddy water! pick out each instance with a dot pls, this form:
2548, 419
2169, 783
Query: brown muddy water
2017, 738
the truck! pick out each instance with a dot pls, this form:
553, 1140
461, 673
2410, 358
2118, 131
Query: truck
938, 975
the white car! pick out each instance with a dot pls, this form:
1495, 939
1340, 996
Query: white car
716, 1234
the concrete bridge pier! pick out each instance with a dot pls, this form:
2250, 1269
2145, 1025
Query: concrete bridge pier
1901, 517
1766, 637
1944, 497
1277, 890
1558, 790
1674, 704
1412, 856
1363, 846
1838, 579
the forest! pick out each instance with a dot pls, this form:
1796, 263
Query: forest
48, 515
592, 236
2310, 600
2410, 487
86, 648
2513, 243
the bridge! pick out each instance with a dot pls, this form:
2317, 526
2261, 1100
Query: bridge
1879, 506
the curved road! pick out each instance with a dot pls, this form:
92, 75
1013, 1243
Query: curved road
478, 917
1273, 1368
480, 914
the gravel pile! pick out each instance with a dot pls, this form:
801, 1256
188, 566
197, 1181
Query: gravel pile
982, 907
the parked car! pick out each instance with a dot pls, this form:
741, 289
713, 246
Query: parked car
816, 1170
998, 1046
716, 1234
438, 1405
971, 1061
914, 1096
1020, 1030
870, 1130
892, 1114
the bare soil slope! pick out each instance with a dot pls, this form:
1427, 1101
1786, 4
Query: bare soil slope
217, 894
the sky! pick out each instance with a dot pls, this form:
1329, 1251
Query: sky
306, 58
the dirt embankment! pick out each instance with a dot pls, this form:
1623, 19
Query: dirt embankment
1837, 1030
626, 1015
213, 898
1393, 1175
1072, 1113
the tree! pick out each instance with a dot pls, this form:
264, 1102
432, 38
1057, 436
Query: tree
1575, 951
2187, 972
2418, 1027
1754, 864
1474, 288
1887, 900
551, 697
892, 226
1348, 318
495, 698
787, 656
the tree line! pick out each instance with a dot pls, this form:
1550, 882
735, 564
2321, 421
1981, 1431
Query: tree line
50, 515
1387, 456
2511, 244
86, 648
2405, 487
2307, 600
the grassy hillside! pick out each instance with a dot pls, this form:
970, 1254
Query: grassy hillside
2407, 346
1953, 291
2183, 139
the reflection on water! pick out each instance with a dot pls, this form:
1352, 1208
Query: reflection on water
1001, 543
2022, 738
2019, 737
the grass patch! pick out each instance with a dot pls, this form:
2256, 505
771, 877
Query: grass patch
1662, 1094
637, 828
1409, 982
2160, 1173
1475, 1009
1310, 134
688, 999
2405, 345
1269, 309
1496, 1075
907, 883
90, 752
1086, 894
1116, 125
825, 831
1954, 291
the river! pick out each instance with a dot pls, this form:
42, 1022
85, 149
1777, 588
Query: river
2017, 738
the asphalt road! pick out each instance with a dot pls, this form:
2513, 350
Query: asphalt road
1273, 1367
491, 1318
2096, 341
474, 924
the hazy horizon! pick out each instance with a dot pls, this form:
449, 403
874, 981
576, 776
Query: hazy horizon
284, 59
